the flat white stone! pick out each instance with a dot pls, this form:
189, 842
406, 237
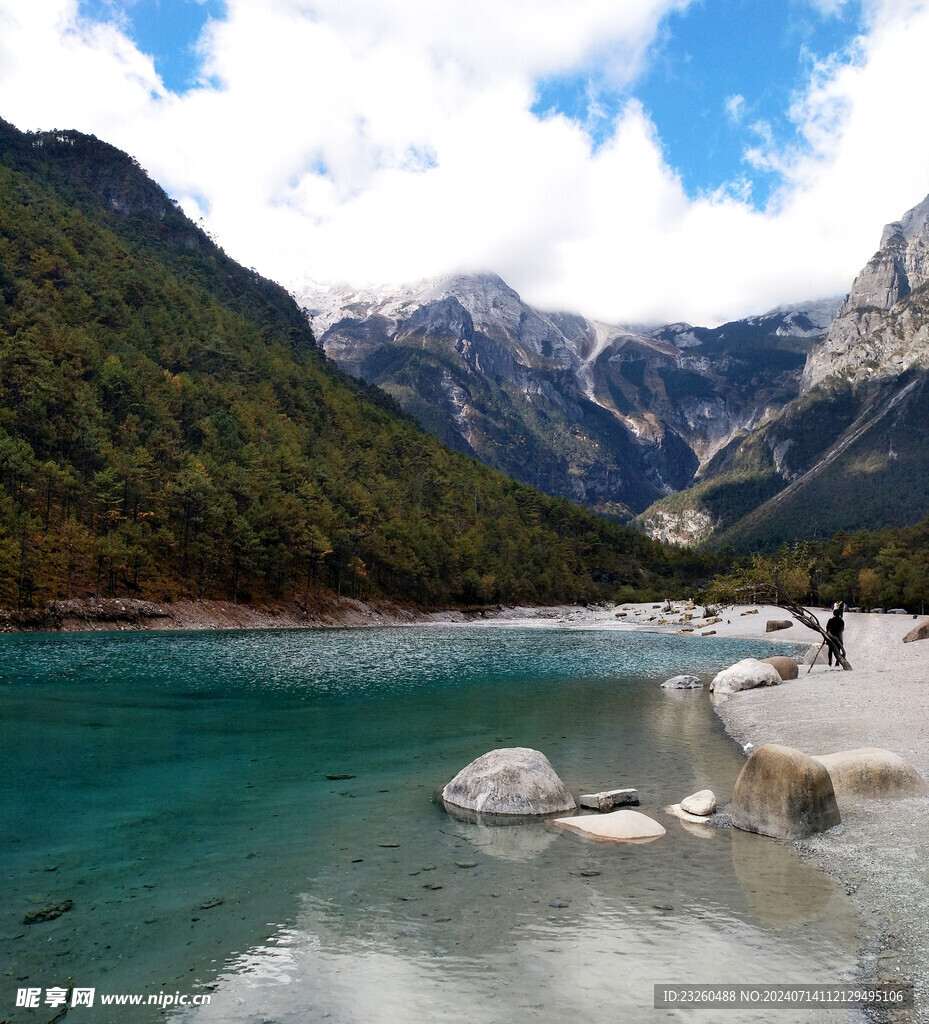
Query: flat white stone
685, 682
679, 812
618, 826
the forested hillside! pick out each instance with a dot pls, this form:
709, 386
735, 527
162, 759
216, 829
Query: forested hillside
169, 428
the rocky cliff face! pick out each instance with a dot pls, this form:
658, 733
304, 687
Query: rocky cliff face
850, 452
610, 416
881, 329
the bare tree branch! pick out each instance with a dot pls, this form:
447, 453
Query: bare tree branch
774, 593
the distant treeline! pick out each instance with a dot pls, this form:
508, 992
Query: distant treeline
168, 428
877, 568
868, 569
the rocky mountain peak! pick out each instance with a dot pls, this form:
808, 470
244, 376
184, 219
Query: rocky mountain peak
878, 332
900, 265
609, 415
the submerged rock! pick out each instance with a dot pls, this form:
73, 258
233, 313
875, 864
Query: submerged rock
619, 826
49, 912
784, 793
872, 773
515, 781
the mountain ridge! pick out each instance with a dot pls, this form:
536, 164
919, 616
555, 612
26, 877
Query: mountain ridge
618, 415
851, 451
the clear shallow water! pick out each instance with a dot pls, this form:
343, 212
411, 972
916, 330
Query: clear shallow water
174, 786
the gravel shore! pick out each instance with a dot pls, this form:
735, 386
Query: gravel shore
880, 852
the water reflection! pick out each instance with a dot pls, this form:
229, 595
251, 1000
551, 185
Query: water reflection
782, 889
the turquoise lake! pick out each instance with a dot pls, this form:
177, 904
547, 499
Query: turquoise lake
183, 791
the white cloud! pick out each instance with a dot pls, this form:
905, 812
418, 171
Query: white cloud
735, 107
366, 141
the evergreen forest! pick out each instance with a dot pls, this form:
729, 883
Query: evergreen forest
169, 428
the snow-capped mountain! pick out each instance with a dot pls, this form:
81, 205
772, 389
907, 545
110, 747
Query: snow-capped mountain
608, 415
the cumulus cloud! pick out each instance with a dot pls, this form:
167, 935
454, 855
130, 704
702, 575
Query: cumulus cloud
358, 141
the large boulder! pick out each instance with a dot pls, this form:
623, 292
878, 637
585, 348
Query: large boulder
618, 826
921, 632
784, 793
773, 625
786, 667
871, 773
509, 781
744, 675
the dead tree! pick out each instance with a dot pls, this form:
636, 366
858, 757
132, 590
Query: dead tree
776, 594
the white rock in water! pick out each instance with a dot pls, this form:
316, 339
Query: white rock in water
609, 800
679, 812
701, 803
686, 682
619, 826
745, 675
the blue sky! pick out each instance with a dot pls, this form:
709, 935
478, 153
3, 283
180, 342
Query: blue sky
724, 67
721, 75
169, 30
631, 159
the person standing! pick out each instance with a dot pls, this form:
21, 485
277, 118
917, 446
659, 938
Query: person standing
835, 627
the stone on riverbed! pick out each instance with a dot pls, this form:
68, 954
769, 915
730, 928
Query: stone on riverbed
619, 826
784, 793
49, 912
871, 773
701, 803
509, 781
697, 819
609, 800
682, 683
744, 675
